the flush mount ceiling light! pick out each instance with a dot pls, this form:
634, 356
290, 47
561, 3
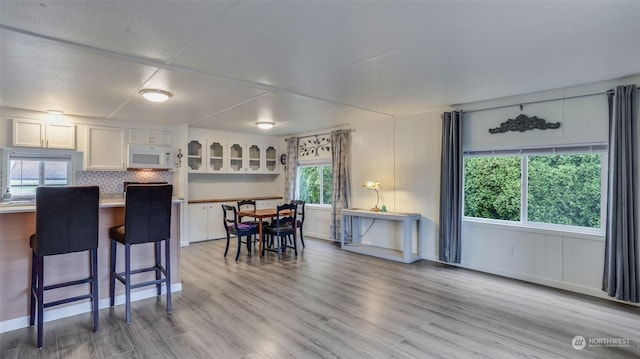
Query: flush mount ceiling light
155, 95
55, 112
265, 125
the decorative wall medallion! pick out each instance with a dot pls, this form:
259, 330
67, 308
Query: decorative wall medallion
317, 145
524, 123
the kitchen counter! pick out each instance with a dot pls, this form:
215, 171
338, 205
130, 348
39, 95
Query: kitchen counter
30, 206
17, 223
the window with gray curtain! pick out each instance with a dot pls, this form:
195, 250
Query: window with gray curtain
451, 188
291, 169
341, 192
621, 278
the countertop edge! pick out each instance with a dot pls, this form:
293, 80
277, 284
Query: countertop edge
105, 204
218, 200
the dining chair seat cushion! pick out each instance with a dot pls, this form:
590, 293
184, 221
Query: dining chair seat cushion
247, 226
283, 229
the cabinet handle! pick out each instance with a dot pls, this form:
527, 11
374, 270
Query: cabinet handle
47, 143
41, 143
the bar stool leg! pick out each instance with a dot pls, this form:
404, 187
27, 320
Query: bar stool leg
167, 259
94, 288
32, 294
158, 258
127, 281
112, 275
40, 292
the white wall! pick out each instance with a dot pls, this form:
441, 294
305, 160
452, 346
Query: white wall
404, 154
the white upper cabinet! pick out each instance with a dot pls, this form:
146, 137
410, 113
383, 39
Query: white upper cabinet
271, 159
144, 137
214, 155
207, 155
237, 157
105, 149
45, 134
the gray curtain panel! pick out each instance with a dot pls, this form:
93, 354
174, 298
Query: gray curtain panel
341, 193
291, 169
451, 187
620, 278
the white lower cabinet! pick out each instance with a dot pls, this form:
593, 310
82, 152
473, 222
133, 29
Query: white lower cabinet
205, 221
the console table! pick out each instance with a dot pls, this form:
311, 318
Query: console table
351, 219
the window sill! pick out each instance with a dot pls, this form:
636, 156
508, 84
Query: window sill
590, 234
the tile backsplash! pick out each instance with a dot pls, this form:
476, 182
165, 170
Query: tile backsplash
110, 182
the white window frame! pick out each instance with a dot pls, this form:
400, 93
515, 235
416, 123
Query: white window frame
524, 153
318, 163
36, 156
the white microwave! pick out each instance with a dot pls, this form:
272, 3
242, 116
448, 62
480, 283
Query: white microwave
149, 157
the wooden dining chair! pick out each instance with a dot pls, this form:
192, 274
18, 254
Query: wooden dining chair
249, 204
281, 229
233, 227
299, 217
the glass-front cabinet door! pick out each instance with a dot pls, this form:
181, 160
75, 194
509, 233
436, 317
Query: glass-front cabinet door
216, 156
236, 157
271, 160
255, 159
196, 155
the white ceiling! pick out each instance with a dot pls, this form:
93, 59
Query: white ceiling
305, 64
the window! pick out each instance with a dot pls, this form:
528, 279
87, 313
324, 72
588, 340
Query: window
315, 184
27, 172
555, 187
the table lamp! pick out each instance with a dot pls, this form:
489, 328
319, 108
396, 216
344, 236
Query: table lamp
374, 185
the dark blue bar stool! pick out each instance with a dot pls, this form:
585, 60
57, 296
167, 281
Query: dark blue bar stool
147, 219
66, 222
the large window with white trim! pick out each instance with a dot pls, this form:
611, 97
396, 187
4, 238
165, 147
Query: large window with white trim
550, 187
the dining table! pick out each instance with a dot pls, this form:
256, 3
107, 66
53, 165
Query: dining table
261, 214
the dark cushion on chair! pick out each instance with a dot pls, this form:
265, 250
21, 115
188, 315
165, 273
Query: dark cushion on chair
244, 226
66, 220
117, 233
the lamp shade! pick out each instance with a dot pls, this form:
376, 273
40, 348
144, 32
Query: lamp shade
372, 185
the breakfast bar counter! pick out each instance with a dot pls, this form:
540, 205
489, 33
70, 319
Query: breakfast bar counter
17, 223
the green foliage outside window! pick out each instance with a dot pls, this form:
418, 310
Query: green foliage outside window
565, 189
492, 187
315, 184
561, 189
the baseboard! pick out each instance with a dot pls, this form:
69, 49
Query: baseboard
553, 283
85, 307
317, 235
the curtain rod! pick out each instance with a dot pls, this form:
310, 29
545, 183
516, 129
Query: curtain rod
324, 134
540, 101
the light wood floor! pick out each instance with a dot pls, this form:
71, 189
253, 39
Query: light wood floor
328, 303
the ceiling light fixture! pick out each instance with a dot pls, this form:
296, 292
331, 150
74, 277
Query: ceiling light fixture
265, 125
155, 95
55, 112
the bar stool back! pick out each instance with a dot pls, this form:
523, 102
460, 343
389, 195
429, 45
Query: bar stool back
147, 218
66, 222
